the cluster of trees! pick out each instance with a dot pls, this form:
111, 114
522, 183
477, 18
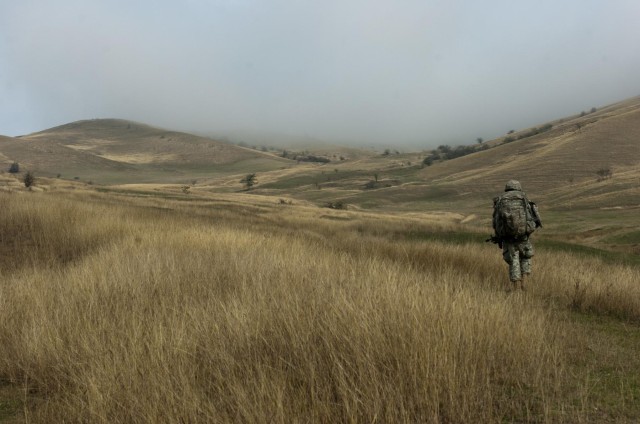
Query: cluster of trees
583, 113
305, 157
446, 152
261, 148
28, 179
387, 152
533, 131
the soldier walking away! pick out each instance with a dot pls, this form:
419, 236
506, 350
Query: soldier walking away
515, 218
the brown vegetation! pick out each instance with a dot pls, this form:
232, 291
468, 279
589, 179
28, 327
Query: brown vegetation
112, 150
119, 309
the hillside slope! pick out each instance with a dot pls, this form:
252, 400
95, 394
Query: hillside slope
113, 150
558, 165
572, 151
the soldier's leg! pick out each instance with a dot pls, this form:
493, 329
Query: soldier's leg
526, 253
511, 255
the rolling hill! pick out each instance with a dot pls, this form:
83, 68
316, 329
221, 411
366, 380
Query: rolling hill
558, 165
569, 153
118, 151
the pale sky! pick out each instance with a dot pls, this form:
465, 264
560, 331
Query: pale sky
384, 73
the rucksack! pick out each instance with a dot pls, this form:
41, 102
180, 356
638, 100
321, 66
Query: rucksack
512, 216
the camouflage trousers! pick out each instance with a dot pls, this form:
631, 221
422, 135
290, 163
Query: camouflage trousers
518, 255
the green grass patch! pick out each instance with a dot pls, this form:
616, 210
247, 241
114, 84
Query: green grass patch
320, 177
632, 237
294, 182
578, 249
11, 403
462, 237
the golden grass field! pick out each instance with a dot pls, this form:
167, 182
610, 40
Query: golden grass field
123, 307
145, 284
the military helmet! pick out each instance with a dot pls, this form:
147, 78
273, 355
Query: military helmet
513, 185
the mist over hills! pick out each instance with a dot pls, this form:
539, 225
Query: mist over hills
558, 161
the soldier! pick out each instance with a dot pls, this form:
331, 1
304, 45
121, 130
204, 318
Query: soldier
514, 219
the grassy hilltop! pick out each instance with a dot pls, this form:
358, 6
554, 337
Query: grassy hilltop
146, 297
108, 151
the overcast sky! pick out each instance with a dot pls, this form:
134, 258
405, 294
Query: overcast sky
373, 72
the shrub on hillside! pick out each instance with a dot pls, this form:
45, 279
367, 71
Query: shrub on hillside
249, 181
14, 168
604, 174
29, 180
535, 131
545, 128
339, 204
305, 157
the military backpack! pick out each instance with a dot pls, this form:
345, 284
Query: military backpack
513, 217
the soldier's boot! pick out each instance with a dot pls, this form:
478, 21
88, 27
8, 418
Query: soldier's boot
512, 285
523, 286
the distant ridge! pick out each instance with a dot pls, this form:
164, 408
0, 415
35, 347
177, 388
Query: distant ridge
573, 150
558, 165
117, 150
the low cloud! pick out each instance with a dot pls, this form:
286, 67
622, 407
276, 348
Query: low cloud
407, 73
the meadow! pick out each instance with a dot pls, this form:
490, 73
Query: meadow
241, 308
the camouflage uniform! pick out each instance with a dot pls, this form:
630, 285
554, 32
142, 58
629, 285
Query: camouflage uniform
516, 253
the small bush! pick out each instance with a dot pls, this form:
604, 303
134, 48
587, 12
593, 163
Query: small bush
336, 205
545, 127
604, 174
29, 179
460, 151
14, 168
529, 133
249, 181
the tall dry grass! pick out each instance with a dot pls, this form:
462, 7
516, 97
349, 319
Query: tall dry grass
173, 312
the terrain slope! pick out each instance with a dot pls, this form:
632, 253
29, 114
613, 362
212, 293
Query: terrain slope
559, 165
112, 150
